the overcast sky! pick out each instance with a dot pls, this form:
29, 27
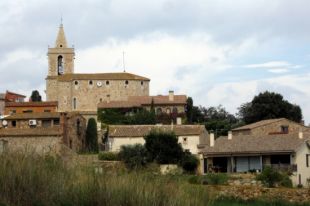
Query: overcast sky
216, 51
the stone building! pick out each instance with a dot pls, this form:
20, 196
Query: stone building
43, 132
270, 126
189, 136
82, 92
9, 97
162, 103
29, 107
253, 151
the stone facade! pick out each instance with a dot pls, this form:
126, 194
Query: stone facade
82, 92
278, 126
51, 132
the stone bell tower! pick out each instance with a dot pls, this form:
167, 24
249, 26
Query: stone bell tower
61, 57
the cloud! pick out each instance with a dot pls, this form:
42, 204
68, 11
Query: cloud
277, 67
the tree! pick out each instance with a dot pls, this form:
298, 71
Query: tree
134, 156
163, 147
193, 113
91, 135
189, 162
269, 105
35, 96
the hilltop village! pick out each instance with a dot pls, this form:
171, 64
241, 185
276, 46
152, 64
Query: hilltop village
58, 125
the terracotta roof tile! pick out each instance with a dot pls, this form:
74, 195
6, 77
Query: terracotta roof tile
31, 104
258, 124
139, 101
256, 144
43, 115
99, 76
143, 130
15, 132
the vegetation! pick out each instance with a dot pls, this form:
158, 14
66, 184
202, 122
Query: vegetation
91, 136
109, 156
134, 156
163, 147
270, 177
189, 162
209, 179
35, 96
46, 181
269, 105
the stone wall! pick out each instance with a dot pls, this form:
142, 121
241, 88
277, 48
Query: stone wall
40, 144
2, 103
89, 95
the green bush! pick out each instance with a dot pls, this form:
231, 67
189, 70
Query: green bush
189, 162
134, 156
163, 147
286, 181
269, 177
109, 156
215, 179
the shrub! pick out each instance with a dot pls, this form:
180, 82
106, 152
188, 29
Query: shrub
215, 179
269, 177
109, 156
91, 135
189, 162
163, 147
134, 156
286, 181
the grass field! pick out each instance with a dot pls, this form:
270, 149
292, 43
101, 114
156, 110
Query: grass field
35, 180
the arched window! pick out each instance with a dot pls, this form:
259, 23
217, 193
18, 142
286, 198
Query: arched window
158, 111
74, 103
175, 110
168, 110
60, 67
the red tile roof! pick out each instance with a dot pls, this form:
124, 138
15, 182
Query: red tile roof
31, 104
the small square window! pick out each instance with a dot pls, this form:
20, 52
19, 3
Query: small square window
126, 82
56, 122
14, 123
76, 82
107, 82
284, 129
142, 83
90, 82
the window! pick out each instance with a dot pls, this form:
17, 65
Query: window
70, 144
142, 83
76, 82
184, 140
78, 124
284, 129
100, 100
308, 160
60, 65
126, 82
46, 123
13, 112
47, 110
74, 103
158, 111
14, 123
107, 82
60, 45
175, 110
90, 82
56, 122
168, 111
27, 111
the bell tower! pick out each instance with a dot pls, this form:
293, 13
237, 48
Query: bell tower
61, 57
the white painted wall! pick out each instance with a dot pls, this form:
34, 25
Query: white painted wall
188, 142
302, 169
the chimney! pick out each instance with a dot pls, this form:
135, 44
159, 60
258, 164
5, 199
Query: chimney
171, 95
211, 139
230, 135
301, 134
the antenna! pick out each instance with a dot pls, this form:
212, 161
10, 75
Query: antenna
124, 61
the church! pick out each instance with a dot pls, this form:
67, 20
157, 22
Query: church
82, 92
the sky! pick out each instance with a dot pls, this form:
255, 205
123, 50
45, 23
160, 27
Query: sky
216, 51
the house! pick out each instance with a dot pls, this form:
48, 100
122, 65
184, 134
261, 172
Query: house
270, 126
29, 107
189, 136
9, 97
171, 106
254, 151
43, 132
